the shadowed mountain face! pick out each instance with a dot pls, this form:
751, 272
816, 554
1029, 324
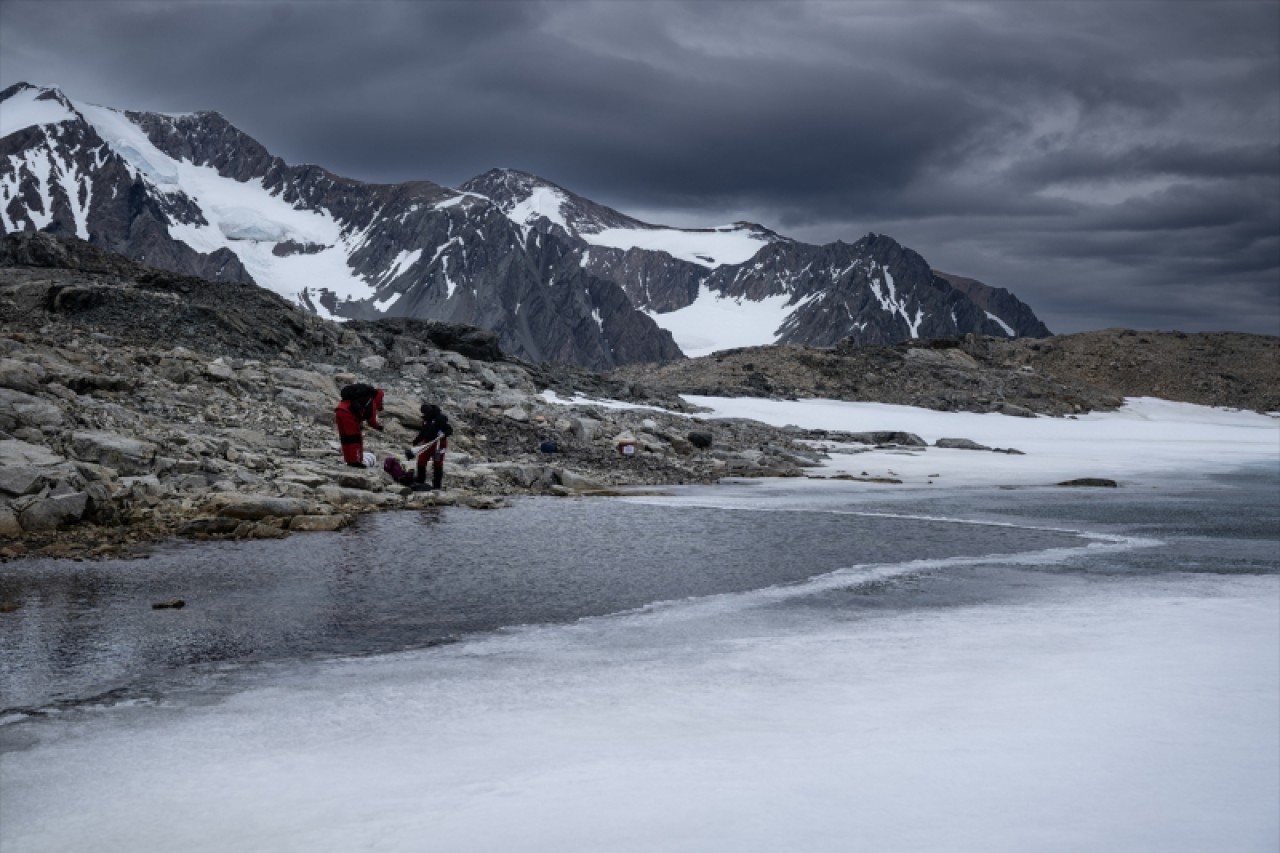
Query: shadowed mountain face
555, 276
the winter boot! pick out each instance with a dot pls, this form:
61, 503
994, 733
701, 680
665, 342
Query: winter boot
420, 480
437, 477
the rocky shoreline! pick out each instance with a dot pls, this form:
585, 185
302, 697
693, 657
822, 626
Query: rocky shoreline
138, 405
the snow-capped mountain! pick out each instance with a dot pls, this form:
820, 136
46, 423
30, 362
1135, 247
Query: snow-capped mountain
558, 277
744, 285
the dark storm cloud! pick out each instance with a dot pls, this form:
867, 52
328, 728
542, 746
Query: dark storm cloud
1113, 163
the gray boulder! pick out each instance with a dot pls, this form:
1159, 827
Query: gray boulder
338, 496
364, 479
313, 523
19, 409
260, 440
308, 404
576, 482
54, 512
129, 456
402, 410
906, 439
307, 380
20, 375
960, 444
585, 429
15, 452
220, 371
21, 479
10, 527
257, 507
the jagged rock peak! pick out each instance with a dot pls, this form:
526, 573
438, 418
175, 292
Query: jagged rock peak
23, 105
525, 197
41, 93
755, 229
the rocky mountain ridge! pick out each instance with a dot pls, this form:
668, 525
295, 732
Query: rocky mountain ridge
556, 276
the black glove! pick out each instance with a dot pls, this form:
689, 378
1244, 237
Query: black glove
408, 454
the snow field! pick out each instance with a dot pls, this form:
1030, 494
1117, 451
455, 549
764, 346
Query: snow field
1145, 437
1091, 722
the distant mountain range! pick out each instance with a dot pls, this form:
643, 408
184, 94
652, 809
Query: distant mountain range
557, 276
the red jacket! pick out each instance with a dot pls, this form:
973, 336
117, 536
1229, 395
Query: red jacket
349, 414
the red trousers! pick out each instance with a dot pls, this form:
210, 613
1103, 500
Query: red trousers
350, 435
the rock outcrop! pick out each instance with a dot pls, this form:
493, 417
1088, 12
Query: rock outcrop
137, 404
1061, 375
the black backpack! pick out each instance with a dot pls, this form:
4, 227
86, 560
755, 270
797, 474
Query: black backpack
358, 393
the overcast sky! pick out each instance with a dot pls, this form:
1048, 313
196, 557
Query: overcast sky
1112, 163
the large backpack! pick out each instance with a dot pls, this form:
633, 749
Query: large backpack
358, 393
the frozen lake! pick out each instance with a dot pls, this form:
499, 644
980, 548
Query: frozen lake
783, 665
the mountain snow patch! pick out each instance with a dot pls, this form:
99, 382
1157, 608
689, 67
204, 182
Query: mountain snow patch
22, 110
243, 217
1007, 329
713, 322
542, 202
730, 244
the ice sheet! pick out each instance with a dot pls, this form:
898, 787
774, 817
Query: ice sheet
1095, 721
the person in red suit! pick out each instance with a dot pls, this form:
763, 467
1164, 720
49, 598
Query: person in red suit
360, 404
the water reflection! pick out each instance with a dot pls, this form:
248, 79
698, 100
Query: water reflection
412, 579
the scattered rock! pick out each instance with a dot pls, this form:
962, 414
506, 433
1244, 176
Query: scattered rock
864, 479
257, 507
1095, 482
1015, 411
485, 502
960, 444
700, 439
314, 523
886, 437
